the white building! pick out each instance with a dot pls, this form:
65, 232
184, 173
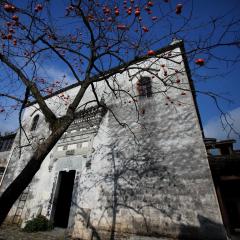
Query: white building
146, 177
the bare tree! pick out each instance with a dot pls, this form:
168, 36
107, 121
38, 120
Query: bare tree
94, 41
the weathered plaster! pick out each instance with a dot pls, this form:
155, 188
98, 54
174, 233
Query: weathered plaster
156, 165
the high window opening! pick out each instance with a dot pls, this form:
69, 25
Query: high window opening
34, 123
144, 87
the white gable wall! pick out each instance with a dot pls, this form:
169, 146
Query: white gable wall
157, 164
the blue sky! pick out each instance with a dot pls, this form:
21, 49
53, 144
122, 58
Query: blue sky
216, 76
227, 84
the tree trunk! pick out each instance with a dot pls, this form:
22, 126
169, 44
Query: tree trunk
14, 190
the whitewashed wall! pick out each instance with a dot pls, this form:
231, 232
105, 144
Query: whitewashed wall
163, 184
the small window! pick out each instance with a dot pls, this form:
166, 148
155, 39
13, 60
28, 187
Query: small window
34, 123
6, 144
144, 87
88, 164
215, 151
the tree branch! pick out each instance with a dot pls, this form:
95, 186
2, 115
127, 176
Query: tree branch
50, 116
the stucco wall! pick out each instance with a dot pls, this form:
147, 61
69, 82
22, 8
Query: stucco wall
149, 175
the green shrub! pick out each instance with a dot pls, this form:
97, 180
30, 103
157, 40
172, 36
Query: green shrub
40, 223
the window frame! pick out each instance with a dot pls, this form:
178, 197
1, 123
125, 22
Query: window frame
144, 87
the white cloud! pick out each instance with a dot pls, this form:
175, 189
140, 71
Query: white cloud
216, 128
55, 73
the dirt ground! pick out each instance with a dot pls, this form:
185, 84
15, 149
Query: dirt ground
9, 232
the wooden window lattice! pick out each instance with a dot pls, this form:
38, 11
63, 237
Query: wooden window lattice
144, 87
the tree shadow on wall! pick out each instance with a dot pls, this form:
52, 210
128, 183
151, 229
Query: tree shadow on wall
128, 195
138, 187
85, 216
208, 230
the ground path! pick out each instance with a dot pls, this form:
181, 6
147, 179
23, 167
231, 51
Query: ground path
9, 232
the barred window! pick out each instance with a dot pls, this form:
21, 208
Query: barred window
144, 87
6, 144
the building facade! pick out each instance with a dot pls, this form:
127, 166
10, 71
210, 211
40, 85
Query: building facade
135, 169
225, 167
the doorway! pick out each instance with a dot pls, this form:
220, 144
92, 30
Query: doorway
231, 198
63, 198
